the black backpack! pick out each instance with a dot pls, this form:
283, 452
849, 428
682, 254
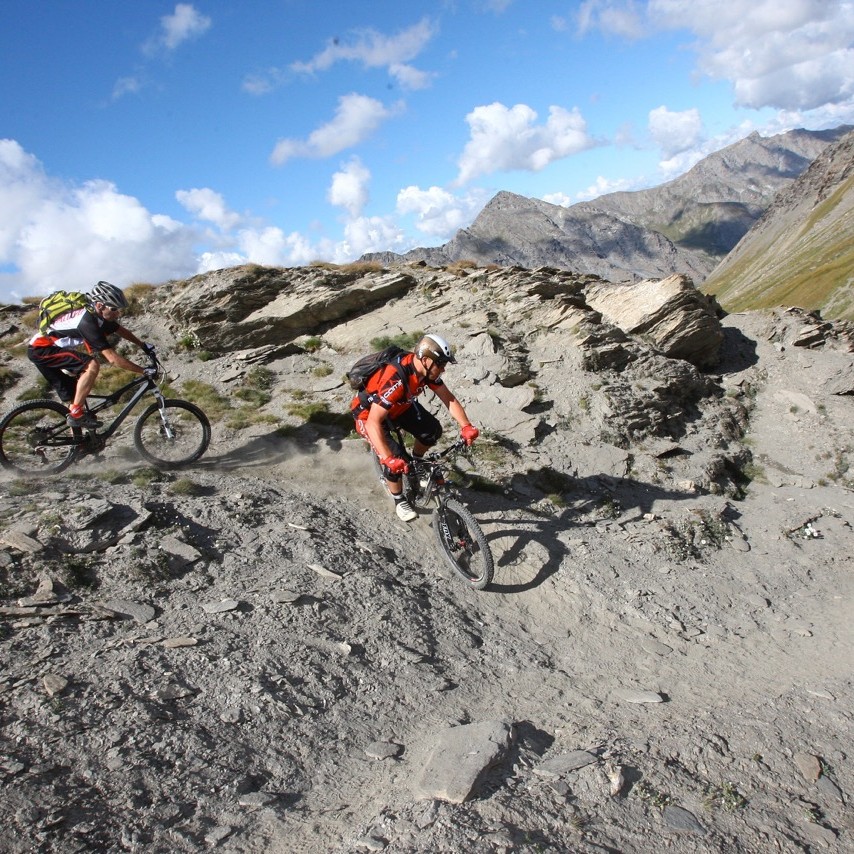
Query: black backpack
367, 366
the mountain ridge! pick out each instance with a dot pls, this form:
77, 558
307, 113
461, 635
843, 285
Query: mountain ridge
684, 226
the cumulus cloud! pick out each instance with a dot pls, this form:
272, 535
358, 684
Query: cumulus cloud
675, 132
349, 188
437, 212
54, 235
797, 55
185, 23
375, 50
601, 186
368, 234
503, 139
208, 205
356, 118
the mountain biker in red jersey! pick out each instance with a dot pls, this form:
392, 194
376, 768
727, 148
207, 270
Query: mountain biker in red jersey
386, 399
66, 355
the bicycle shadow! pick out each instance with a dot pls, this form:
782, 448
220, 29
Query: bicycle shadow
536, 546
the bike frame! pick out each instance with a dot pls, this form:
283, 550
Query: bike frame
83, 436
145, 385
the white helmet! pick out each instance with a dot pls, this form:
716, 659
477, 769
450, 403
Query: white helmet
437, 348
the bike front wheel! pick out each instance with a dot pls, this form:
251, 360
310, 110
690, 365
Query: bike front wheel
35, 440
172, 436
463, 543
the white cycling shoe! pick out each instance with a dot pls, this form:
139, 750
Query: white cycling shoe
404, 511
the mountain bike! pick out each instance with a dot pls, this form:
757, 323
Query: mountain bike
458, 534
36, 440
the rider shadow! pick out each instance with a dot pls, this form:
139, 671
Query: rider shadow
533, 549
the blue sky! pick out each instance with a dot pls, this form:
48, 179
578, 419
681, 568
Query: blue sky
146, 141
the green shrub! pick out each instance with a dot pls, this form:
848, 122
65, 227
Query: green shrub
406, 340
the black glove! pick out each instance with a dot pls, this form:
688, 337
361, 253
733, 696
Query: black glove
148, 349
150, 373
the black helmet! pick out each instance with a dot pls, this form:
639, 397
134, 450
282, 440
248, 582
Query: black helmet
436, 348
109, 295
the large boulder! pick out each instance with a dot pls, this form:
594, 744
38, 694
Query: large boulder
671, 313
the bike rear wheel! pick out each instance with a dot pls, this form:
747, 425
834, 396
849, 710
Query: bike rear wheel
463, 543
35, 440
174, 436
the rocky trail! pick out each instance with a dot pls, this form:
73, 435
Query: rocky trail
255, 655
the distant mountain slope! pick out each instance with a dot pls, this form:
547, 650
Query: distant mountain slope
801, 252
685, 226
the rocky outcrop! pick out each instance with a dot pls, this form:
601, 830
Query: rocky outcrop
235, 307
672, 314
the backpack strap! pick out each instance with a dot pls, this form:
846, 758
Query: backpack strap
364, 395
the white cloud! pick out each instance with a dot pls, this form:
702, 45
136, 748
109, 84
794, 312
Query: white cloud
560, 199
355, 120
623, 18
54, 235
183, 24
792, 55
503, 139
375, 50
126, 86
601, 186
206, 204
438, 212
368, 234
349, 188
675, 132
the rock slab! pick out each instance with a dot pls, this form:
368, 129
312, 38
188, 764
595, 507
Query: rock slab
460, 759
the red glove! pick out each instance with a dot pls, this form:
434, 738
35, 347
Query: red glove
469, 433
395, 465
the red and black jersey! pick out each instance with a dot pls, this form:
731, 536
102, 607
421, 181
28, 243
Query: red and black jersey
393, 392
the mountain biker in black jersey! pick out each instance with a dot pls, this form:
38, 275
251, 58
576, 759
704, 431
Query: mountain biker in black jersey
66, 355
386, 399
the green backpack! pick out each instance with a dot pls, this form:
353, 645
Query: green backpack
58, 303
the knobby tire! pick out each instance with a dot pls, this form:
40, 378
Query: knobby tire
464, 545
191, 434
35, 440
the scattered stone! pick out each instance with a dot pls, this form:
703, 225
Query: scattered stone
48, 592
173, 691
231, 715
656, 647
218, 834
179, 554
825, 695
681, 820
54, 684
322, 570
615, 776
461, 758
825, 785
372, 843
136, 610
808, 765
560, 765
631, 695
221, 607
22, 542
175, 643
383, 750
286, 597
256, 799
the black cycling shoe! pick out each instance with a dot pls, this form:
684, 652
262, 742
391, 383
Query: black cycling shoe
86, 421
